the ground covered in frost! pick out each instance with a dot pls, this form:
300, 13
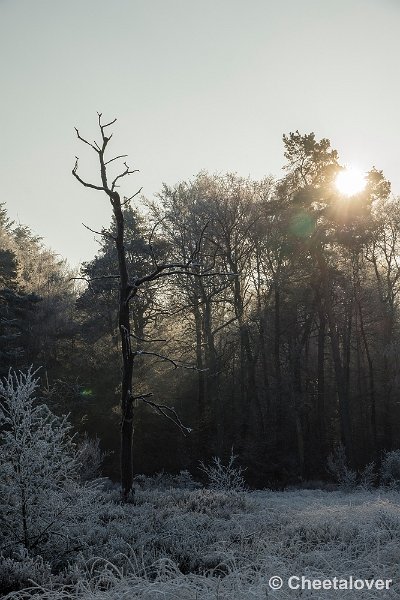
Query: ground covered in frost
174, 543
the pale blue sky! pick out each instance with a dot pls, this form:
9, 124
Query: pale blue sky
206, 84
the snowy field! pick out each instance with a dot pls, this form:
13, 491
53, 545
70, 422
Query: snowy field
176, 543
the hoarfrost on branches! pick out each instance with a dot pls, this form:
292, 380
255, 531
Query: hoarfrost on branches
60, 540
90, 457
390, 469
43, 508
224, 477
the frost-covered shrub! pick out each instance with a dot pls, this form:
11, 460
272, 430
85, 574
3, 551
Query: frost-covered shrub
390, 469
43, 507
90, 457
224, 477
162, 549
215, 503
150, 552
347, 478
165, 481
184, 480
20, 569
367, 477
337, 466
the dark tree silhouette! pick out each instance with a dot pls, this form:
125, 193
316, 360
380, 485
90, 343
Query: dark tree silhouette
129, 284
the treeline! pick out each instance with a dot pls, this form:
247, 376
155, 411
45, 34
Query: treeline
285, 348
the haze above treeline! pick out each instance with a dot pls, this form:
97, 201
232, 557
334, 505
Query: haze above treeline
194, 86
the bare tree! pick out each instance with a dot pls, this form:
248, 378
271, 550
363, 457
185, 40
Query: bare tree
129, 285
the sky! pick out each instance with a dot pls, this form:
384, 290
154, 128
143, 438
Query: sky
195, 85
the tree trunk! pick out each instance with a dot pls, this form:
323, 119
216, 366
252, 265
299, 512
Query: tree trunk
388, 383
127, 355
277, 362
296, 397
199, 364
321, 381
342, 392
371, 379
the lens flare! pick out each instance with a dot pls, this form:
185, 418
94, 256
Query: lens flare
86, 392
350, 181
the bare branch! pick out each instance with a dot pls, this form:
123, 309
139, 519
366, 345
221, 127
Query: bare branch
103, 232
160, 356
199, 242
124, 174
176, 364
101, 151
126, 200
102, 127
108, 124
90, 279
146, 339
115, 158
85, 183
178, 269
151, 238
167, 412
142, 396
86, 141
224, 325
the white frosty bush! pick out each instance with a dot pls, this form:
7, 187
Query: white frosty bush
224, 477
20, 569
337, 466
90, 457
42, 505
367, 477
390, 469
165, 481
177, 554
349, 479
172, 543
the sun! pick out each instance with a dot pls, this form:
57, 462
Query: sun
350, 181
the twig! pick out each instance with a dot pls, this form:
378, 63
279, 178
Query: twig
123, 174
104, 233
167, 412
141, 396
86, 141
126, 200
85, 183
151, 238
146, 340
89, 279
115, 158
176, 364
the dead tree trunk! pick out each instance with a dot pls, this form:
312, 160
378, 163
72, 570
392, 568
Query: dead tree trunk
127, 355
128, 288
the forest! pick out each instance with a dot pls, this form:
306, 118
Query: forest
279, 346
200, 300
207, 408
